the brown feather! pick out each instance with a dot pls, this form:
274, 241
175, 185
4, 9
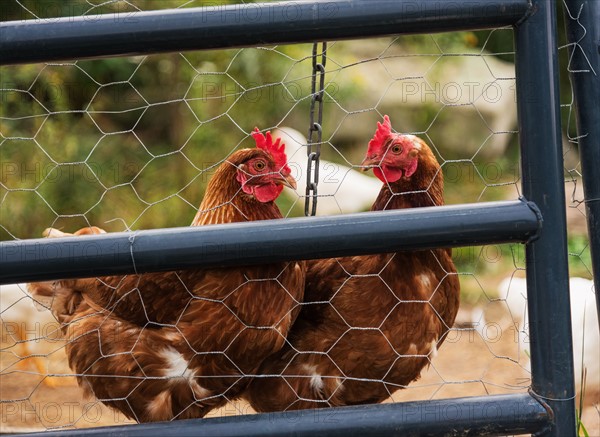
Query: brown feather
174, 345
369, 324
225, 202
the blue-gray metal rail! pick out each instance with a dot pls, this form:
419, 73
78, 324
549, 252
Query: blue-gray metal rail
583, 33
538, 104
243, 25
475, 416
268, 241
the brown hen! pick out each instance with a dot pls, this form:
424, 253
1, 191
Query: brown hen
174, 345
369, 324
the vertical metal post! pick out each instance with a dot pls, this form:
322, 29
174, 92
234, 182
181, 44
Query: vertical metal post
542, 169
582, 19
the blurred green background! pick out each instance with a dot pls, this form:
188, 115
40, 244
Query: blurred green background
130, 143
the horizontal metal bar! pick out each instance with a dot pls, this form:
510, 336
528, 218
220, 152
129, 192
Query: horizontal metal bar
482, 416
243, 25
267, 241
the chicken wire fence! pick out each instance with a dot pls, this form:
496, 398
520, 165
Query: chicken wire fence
131, 143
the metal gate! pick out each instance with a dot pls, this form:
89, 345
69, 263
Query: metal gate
538, 219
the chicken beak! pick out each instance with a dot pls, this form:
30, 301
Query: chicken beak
288, 181
369, 162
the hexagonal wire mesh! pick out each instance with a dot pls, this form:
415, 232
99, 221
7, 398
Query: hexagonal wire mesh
131, 143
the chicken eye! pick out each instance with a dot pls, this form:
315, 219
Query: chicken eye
396, 149
259, 165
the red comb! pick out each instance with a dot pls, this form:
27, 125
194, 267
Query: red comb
384, 131
276, 149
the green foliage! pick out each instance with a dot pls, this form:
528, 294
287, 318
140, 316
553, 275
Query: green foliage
137, 138
132, 137
580, 258
498, 261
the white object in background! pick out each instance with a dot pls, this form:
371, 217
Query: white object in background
341, 189
584, 323
26, 327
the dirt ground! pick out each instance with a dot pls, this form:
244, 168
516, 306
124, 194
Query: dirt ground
467, 365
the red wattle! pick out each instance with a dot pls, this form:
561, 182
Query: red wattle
392, 174
262, 193
266, 193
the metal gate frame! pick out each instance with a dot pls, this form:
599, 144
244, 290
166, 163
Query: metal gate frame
548, 409
582, 19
